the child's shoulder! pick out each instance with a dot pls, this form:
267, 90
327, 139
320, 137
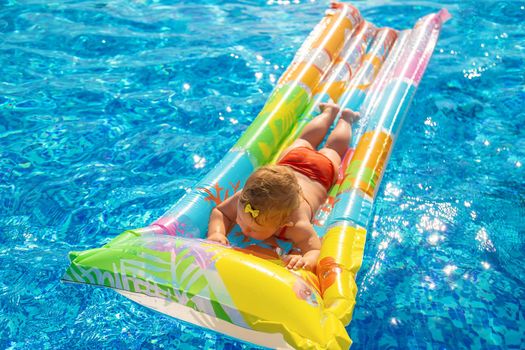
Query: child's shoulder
300, 227
233, 198
230, 202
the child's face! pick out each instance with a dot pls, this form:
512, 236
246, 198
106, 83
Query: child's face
252, 229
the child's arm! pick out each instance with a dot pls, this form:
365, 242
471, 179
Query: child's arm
304, 238
222, 219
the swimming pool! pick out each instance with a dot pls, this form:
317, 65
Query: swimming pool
111, 110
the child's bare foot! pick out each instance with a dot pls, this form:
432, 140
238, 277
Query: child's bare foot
349, 115
330, 108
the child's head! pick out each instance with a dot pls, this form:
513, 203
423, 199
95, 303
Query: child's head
270, 195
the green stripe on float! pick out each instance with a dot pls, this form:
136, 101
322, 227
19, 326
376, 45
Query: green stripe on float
217, 308
274, 122
366, 175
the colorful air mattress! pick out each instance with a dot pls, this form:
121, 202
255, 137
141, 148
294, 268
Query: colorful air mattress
244, 290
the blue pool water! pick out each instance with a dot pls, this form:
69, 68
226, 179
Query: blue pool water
110, 110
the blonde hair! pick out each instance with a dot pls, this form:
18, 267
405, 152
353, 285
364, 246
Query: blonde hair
273, 190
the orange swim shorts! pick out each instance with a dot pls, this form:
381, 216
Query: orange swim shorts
311, 163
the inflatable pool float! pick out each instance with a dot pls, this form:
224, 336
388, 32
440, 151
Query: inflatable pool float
243, 290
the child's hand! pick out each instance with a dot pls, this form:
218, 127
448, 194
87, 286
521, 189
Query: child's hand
296, 261
219, 237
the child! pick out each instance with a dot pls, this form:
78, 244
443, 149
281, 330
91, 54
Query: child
281, 200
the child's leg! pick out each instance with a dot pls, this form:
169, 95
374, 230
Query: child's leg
337, 143
315, 131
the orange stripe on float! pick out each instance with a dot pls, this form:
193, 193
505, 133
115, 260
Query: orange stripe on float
373, 150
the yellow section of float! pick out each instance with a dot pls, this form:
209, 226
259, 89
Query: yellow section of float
291, 306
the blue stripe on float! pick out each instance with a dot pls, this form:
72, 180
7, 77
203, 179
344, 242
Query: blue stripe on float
352, 206
353, 99
391, 107
191, 213
236, 165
